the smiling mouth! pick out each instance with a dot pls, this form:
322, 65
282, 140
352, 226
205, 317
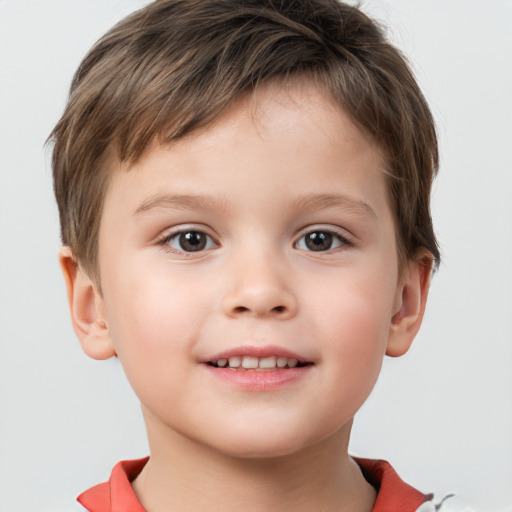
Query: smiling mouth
258, 363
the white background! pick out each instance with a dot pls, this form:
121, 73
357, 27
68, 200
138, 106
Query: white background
442, 414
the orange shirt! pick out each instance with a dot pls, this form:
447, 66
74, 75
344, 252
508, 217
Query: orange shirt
117, 494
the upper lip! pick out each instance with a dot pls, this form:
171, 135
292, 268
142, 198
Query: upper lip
257, 351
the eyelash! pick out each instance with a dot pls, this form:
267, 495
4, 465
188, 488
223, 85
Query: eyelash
165, 241
332, 236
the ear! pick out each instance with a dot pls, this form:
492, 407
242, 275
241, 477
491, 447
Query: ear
410, 302
86, 307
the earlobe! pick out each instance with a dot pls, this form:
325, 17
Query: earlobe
85, 304
411, 299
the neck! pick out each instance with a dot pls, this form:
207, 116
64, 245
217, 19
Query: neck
184, 475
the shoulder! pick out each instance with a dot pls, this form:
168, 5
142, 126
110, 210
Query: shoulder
394, 494
116, 493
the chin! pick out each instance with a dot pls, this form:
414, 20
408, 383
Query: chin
265, 443
261, 450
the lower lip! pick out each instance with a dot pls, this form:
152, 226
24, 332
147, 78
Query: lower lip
260, 381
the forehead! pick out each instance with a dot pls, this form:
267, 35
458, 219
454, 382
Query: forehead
294, 138
274, 110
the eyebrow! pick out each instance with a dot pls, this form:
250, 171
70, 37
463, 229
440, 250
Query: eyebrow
315, 202
178, 201
307, 203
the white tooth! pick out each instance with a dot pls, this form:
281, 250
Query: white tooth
292, 363
222, 363
268, 362
234, 362
281, 362
250, 362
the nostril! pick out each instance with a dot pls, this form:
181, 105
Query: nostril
244, 309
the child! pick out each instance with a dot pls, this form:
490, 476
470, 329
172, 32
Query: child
243, 190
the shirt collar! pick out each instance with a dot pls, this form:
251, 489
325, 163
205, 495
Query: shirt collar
117, 494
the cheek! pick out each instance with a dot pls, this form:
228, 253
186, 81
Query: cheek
153, 324
360, 324
357, 338
356, 304
354, 325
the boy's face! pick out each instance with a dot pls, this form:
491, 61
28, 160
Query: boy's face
267, 235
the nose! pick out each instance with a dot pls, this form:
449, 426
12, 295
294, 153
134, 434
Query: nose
257, 287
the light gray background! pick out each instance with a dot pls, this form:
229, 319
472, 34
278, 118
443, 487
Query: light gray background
442, 414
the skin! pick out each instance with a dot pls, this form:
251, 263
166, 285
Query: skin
275, 167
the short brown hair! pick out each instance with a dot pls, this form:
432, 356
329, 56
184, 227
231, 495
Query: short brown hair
175, 65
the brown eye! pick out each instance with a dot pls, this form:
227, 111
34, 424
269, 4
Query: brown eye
318, 241
190, 241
